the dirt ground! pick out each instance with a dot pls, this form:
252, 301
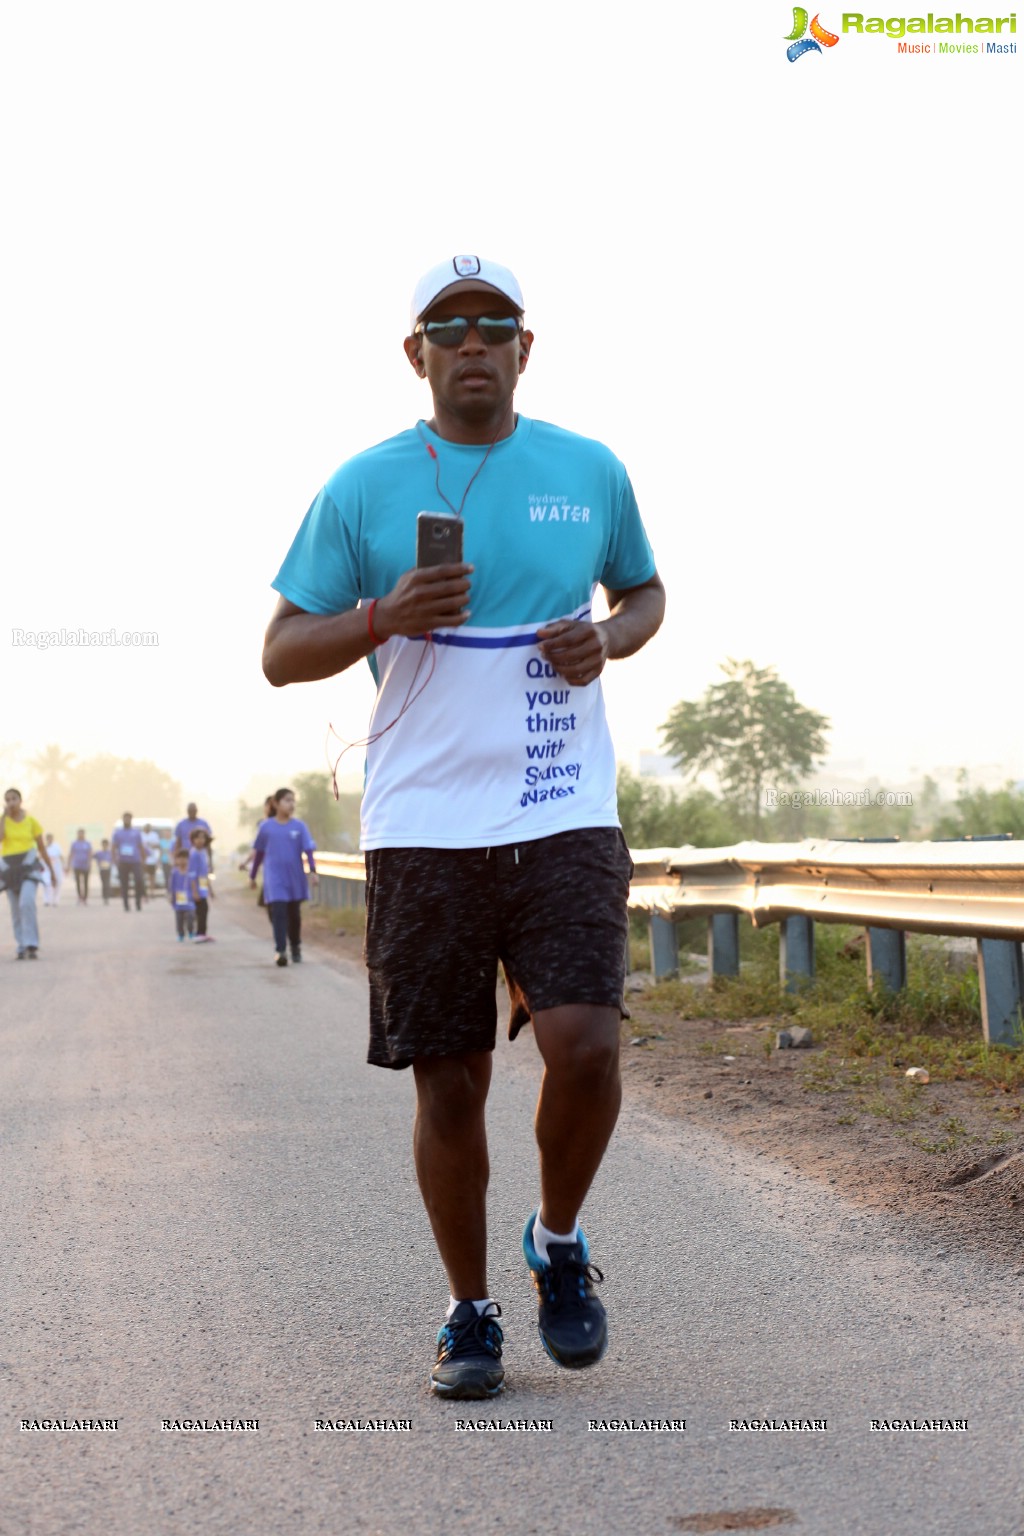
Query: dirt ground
948, 1157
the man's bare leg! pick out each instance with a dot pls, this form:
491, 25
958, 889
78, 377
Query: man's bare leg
450, 1151
578, 1105
576, 1113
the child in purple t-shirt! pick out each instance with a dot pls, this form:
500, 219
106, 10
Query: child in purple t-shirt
182, 893
103, 859
199, 865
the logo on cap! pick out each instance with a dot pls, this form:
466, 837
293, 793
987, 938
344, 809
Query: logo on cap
467, 266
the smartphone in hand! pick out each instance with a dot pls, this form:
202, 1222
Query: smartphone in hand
438, 539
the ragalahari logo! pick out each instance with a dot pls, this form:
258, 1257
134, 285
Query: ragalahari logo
799, 44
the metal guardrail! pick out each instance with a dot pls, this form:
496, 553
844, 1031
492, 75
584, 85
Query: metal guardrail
965, 888
953, 888
342, 879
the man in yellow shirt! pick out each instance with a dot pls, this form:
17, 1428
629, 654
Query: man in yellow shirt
22, 856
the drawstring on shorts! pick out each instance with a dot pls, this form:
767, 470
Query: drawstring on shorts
515, 851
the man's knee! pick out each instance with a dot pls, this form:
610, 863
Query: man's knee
579, 1039
452, 1086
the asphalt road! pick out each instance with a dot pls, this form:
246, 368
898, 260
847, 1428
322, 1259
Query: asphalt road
210, 1213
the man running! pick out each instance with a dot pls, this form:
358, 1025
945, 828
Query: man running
489, 816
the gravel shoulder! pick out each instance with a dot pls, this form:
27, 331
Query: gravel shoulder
948, 1157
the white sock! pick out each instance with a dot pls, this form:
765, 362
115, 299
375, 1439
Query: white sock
481, 1306
542, 1237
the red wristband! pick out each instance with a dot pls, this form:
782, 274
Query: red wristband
369, 622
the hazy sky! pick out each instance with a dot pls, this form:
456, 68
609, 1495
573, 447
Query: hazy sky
785, 294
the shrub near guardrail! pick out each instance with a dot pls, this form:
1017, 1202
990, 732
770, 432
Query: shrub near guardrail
933, 1022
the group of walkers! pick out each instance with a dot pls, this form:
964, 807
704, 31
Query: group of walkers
157, 850
29, 859
283, 849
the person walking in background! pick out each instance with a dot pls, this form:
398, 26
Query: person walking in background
129, 855
166, 856
182, 896
249, 861
103, 857
199, 866
151, 844
489, 815
280, 844
187, 825
23, 858
81, 863
54, 882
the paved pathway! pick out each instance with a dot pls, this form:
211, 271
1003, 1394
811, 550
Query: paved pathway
210, 1212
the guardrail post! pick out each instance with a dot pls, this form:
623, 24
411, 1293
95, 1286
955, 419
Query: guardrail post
664, 948
887, 957
724, 944
1001, 974
796, 952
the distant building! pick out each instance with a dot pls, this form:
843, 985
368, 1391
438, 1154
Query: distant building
657, 765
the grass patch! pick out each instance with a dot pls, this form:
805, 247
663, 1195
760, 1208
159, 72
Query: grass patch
899, 1107
328, 922
864, 1035
956, 1136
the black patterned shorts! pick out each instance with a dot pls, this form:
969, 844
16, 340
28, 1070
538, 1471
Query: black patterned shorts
438, 921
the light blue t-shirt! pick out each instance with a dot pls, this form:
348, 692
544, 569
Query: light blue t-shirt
496, 748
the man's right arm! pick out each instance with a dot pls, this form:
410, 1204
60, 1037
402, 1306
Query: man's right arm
302, 647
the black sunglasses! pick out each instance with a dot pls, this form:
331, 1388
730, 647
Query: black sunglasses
492, 329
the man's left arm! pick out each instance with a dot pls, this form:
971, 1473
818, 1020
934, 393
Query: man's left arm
578, 648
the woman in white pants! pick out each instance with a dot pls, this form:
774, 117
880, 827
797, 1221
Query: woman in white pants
52, 885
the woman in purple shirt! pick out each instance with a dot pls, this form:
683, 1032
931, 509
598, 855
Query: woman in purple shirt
280, 844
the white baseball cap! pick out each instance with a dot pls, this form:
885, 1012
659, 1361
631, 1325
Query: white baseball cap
465, 274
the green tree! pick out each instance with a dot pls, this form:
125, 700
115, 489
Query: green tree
97, 791
927, 807
752, 730
334, 824
654, 817
109, 786
982, 811
51, 780
52, 768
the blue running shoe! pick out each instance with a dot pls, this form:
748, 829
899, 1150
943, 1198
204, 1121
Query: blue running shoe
469, 1354
573, 1324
